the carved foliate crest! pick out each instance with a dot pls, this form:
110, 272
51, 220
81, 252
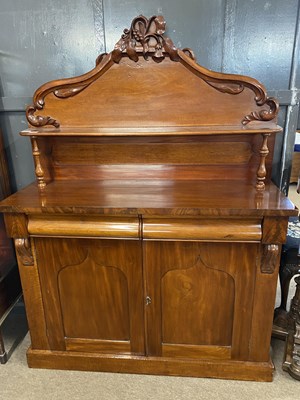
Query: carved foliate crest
146, 35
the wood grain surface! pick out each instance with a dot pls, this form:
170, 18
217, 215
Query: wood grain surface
215, 157
169, 198
92, 289
206, 368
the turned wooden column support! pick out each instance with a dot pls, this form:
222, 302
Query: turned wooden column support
261, 171
39, 172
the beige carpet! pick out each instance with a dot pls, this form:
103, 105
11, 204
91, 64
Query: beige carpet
18, 382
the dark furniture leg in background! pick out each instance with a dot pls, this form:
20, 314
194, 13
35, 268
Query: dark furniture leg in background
287, 324
291, 363
289, 267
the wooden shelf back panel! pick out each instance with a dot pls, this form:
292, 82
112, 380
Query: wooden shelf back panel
176, 153
133, 94
161, 172
204, 157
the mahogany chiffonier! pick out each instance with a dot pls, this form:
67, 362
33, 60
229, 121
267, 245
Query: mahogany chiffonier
150, 242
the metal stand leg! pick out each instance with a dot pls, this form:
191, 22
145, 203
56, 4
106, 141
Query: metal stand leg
3, 354
292, 356
283, 319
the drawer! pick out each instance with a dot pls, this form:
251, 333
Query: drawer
225, 229
83, 226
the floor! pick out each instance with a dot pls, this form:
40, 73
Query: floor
18, 382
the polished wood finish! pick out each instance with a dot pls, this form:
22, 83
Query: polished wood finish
150, 242
108, 276
35, 310
199, 286
203, 229
16, 225
144, 61
168, 198
160, 86
104, 158
173, 366
40, 225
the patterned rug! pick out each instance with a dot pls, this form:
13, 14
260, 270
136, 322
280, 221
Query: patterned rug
294, 228
293, 235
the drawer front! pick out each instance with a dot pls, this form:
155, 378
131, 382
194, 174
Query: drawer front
228, 230
83, 226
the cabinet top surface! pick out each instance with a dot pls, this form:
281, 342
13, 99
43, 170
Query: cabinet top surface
132, 198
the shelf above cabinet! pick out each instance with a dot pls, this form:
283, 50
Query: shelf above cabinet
255, 128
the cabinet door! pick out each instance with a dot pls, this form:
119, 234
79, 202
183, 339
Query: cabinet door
200, 299
92, 294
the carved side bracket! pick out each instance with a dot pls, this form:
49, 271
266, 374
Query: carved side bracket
263, 115
39, 120
269, 258
23, 249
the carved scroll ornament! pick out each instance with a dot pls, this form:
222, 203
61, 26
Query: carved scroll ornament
269, 258
229, 88
24, 252
265, 114
39, 120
